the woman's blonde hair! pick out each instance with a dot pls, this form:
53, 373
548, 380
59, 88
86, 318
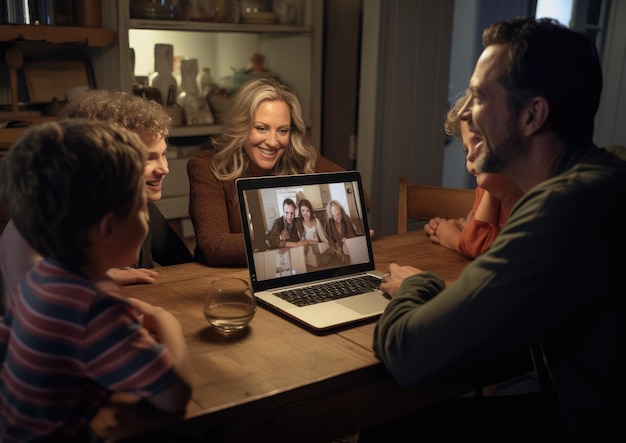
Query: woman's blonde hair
452, 125
231, 162
329, 210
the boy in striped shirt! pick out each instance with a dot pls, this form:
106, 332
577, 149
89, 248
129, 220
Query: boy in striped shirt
75, 190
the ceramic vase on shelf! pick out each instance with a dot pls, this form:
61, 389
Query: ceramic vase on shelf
195, 108
208, 87
162, 78
289, 12
188, 82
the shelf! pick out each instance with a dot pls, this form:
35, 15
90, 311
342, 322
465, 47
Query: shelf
182, 25
193, 131
94, 37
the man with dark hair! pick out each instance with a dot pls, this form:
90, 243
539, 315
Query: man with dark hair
551, 284
284, 232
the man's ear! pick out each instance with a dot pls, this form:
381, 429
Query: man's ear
534, 115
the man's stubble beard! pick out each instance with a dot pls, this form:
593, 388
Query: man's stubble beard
496, 159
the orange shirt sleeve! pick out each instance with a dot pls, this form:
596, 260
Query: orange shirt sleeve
478, 235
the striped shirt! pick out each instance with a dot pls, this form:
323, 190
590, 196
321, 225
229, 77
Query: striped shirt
66, 343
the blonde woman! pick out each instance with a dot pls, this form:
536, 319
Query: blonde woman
339, 226
263, 134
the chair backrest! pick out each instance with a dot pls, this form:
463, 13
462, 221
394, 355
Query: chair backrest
422, 202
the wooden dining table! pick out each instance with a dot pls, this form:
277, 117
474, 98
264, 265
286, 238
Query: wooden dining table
276, 381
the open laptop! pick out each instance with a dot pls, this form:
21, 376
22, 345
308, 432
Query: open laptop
280, 275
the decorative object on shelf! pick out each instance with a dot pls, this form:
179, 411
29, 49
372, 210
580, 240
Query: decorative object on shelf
15, 61
231, 83
259, 18
188, 84
131, 67
162, 10
162, 77
196, 110
28, 12
176, 114
208, 87
255, 6
289, 12
257, 64
141, 88
51, 79
257, 12
231, 11
256, 67
220, 105
199, 10
222, 11
221, 102
88, 13
64, 12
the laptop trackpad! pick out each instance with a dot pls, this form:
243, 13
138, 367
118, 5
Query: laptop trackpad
366, 303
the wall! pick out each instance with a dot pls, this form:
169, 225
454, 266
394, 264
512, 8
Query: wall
610, 127
342, 21
402, 100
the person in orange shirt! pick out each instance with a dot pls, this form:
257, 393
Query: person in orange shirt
495, 196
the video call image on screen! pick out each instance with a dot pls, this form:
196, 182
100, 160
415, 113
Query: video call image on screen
294, 230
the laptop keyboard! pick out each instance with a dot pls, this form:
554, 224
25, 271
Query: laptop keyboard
310, 295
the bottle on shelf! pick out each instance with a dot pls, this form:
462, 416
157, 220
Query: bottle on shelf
195, 108
208, 87
162, 77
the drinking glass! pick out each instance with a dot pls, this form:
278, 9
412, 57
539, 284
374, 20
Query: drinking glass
229, 305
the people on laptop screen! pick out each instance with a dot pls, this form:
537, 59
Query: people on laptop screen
311, 230
339, 227
284, 232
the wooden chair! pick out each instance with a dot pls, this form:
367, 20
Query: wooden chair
422, 202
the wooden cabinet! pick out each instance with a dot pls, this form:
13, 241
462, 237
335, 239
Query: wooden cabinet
41, 42
292, 52
92, 37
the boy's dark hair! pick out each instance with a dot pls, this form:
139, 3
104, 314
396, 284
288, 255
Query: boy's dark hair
547, 59
60, 178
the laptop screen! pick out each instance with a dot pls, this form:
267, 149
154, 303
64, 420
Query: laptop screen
302, 228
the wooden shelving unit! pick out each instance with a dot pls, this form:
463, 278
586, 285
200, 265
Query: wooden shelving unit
93, 37
24, 35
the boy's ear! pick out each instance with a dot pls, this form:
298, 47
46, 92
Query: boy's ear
106, 225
